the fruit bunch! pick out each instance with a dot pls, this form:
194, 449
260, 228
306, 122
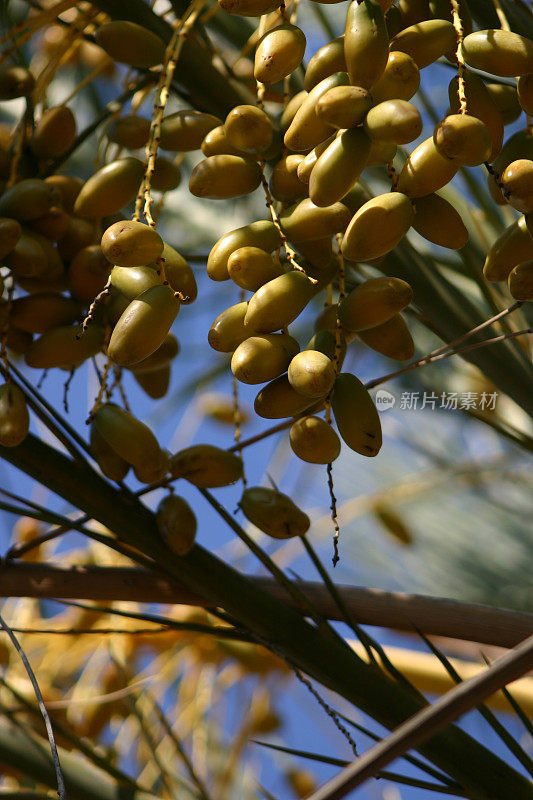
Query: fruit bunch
83, 274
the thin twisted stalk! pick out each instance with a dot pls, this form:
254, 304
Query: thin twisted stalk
504, 22
458, 25
432, 359
42, 708
336, 365
237, 414
170, 732
290, 252
172, 54
26, 29
260, 88
4, 331
74, 32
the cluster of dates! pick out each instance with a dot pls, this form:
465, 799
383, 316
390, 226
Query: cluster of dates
307, 155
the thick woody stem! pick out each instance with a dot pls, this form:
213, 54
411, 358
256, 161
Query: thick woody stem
398, 610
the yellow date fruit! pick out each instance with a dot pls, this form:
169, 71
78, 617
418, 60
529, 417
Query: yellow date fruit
249, 129
318, 258
10, 233
273, 513
228, 331
366, 42
263, 234
344, 106
68, 187
262, 358
393, 524
305, 167
285, 184
166, 175
325, 62
223, 177
413, 11
400, 79
521, 281
517, 181
512, 247
154, 383
216, 143
127, 435
374, 302
392, 339
129, 43
311, 373
356, 415
278, 53
131, 244
325, 340
132, 281
250, 268
110, 188
426, 41
464, 139
314, 441
176, 523
506, 101
425, 171
110, 462
277, 303
131, 131
480, 103
143, 326
28, 199
439, 222
518, 146
381, 152
27, 259
160, 358
60, 347
307, 129
88, 273
18, 341
15, 81
54, 224
525, 93
305, 222
14, 415
179, 274
55, 133
377, 227
38, 313
339, 167
499, 52
278, 400
290, 110
206, 466
186, 129
153, 471
395, 121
